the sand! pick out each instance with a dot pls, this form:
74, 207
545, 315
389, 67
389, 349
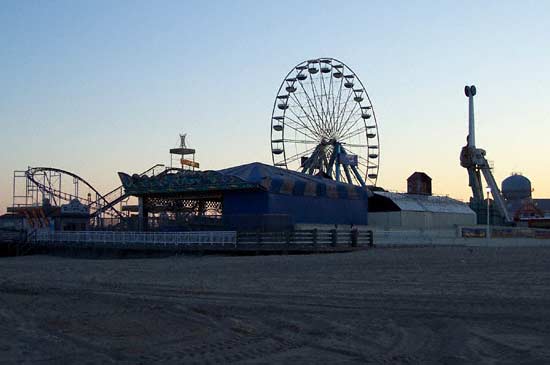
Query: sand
413, 305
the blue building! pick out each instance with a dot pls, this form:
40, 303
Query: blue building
254, 196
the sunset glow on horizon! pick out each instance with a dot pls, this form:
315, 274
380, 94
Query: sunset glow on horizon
100, 87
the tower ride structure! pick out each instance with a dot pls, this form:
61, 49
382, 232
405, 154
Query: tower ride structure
473, 159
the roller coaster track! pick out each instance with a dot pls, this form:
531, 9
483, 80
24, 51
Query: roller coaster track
102, 204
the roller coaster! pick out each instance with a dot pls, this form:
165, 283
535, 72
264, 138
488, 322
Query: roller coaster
37, 186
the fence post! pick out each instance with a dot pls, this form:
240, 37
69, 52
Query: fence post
314, 234
258, 237
354, 237
334, 237
370, 236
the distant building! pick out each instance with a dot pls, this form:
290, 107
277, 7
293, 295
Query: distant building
417, 211
517, 192
419, 183
73, 216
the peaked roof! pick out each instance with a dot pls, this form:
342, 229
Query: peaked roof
420, 174
283, 181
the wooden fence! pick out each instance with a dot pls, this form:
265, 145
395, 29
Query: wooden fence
308, 238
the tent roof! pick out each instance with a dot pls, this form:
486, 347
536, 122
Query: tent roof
283, 181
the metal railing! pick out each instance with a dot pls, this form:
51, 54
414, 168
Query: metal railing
137, 239
203, 240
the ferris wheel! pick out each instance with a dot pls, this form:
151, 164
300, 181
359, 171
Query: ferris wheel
323, 123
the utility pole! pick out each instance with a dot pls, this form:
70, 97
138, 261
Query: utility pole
488, 235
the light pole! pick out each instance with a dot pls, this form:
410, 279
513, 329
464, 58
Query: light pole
488, 235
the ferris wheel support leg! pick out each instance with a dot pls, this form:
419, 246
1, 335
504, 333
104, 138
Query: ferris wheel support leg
338, 151
331, 164
313, 162
358, 176
348, 175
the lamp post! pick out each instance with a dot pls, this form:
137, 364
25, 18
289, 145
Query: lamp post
488, 235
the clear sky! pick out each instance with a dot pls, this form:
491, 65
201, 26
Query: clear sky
99, 87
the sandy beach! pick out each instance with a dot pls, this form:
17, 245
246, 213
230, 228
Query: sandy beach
416, 305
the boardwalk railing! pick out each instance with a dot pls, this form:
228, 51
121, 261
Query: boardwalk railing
117, 239
298, 240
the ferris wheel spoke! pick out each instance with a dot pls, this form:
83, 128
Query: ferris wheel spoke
349, 125
346, 115
312, 107
341, 107
357, 145
340, 117
366, 160
326, 93
362, 164
290, 123
369, 165
296, 125
318, 96
351, 134
300, 154
302, 122
299, 141
311, 115
300, 133
321, 113
298, 122
337, 104
310, 118
345, 121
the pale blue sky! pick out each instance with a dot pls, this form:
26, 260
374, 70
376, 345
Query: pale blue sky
99, 87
